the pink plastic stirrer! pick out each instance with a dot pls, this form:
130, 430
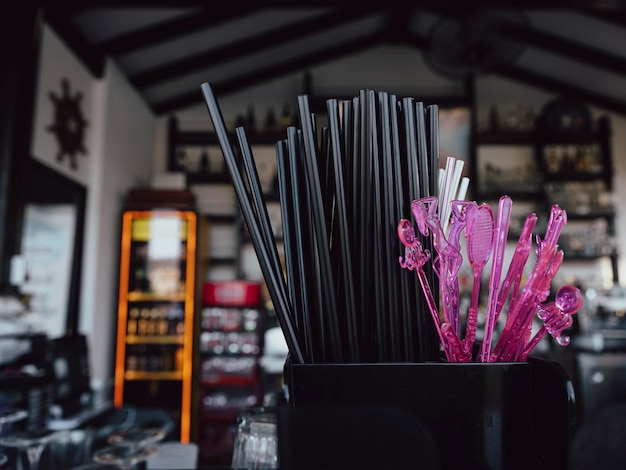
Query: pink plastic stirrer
556, 317
480, 236
536, 289
414, 259
449, 258
460, 210
502, 230
516, 267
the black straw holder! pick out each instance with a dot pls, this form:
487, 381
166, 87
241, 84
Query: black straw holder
499, 416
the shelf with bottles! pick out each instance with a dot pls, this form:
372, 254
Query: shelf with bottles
577, 157
506, 169
156, 306
229, 375
155, 322
230, 331
160, 275
197, 153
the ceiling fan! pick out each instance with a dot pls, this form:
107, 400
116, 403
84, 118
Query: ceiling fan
475, 43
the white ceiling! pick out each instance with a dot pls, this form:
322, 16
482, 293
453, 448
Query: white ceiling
166, 50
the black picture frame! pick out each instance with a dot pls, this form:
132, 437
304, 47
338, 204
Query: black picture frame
505, 168
44, 186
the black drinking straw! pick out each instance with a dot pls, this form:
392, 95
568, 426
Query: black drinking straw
424, 165
410, 130
401, 212
325, 171
295, 282
342, 228
356, 174
308, 262
430, 336
388, 349
286, 216
432, 126
367, 256
422, 149
259, 202
357, 212
280, 302
327, 293
302, 231
415, 192
347, 132
389, 234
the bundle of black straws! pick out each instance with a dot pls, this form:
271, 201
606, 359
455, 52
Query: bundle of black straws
340, 295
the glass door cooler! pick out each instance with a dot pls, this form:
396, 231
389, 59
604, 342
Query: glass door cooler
155, 331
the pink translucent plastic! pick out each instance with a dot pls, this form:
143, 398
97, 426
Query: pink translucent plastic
480, 239
502, 230
487, 238
513, 275
414, 259
461, 212
449, 258
556, 317
535, 291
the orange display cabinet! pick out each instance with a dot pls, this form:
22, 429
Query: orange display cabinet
156, 308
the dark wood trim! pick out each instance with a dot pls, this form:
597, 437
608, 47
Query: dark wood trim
248, 46
576, 51
269, 72
170, 30
20, 38
47, 186
569, 91
91, 57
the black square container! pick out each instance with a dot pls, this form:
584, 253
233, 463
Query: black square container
498, 416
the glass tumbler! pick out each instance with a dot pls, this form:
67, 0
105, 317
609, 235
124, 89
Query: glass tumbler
256, 440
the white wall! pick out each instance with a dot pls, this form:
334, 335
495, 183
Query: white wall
127, 151
120, 139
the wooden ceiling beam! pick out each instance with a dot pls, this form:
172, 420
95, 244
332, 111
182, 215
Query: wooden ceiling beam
269, 72
561, 88
59, 20
248, 46
163, 32
572, 50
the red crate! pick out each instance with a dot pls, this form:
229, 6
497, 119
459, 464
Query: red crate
240, 293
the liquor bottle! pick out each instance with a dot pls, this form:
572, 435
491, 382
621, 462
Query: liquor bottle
178, 358
162, 324
132, 321
142, 323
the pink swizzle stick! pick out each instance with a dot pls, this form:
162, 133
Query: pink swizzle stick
480, 238
461, 212
556, 317
414, 259
449, 258
514, 273
502, 229
536, 289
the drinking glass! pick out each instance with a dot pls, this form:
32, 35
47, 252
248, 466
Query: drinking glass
256, 441
71, 448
